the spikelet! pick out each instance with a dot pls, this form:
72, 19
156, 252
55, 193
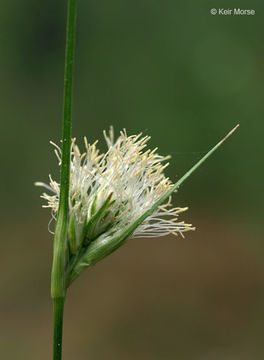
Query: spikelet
110, 191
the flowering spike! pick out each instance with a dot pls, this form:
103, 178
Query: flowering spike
116, 195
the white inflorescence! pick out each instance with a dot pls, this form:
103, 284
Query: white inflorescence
110, 191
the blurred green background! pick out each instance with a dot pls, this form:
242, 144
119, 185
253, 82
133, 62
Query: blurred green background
173, 71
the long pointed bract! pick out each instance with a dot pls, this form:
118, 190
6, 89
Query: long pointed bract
105, 245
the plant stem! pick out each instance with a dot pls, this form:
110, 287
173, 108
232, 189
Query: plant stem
60, 250
67, 106
58, 305
60, 253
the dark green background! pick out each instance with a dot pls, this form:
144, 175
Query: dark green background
173, 71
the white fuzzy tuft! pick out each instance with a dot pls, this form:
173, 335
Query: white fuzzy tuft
132, 177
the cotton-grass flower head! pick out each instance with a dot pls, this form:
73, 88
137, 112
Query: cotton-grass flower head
109, 192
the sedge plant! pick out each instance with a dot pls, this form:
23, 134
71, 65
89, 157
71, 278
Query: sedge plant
102, 200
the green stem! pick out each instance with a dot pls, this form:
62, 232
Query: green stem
60, 253
67, 106
60, 250
58, 306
